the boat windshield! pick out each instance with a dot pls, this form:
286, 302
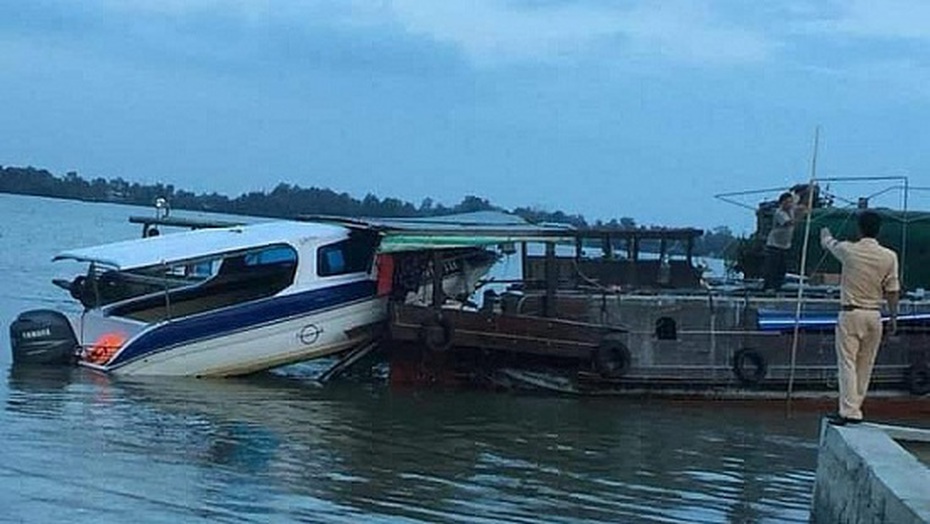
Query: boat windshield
102, 286
175, 290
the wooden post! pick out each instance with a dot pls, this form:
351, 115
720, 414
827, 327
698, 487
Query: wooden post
634, 265
690, 250
552, 280
524, 269
438, 295
608, 246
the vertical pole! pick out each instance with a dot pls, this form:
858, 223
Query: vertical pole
552, 276
690, 251
906, 219
438, 297
803, 271
524, 270
92, 274
634, 267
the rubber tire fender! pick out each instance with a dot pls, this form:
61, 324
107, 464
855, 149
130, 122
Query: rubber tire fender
612, 359
918, 379
760, 366
436, 333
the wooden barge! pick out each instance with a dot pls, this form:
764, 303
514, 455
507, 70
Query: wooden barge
629, 312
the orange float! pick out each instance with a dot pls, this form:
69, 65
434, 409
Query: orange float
104, 348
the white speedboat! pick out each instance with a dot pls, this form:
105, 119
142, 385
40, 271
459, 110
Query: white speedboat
223, 301
212, 302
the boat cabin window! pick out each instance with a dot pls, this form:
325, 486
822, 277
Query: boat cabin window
352, 255
273, 255
224, 281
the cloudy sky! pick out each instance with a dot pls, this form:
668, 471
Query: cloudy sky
606, 108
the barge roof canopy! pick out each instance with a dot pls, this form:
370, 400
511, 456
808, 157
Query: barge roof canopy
486, 228
479, 229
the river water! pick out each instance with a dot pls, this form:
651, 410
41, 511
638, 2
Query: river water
79, 447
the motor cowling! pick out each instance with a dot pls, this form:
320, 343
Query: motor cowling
44, 337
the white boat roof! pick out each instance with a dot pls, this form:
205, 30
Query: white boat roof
202, 243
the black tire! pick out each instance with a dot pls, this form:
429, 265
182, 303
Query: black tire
749, 366
918, 379
612, 359
436, 333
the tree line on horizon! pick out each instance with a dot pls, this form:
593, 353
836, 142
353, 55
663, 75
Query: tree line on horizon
289, 201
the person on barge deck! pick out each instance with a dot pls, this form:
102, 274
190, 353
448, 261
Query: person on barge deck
778, 242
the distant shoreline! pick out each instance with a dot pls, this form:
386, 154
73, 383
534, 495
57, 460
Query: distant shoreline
287, 201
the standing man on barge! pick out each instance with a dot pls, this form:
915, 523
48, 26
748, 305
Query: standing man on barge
778, 241
869, 277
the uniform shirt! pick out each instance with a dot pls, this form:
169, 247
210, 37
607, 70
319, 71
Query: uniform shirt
869, 271
782, 230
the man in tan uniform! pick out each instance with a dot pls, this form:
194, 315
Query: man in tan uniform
870, 276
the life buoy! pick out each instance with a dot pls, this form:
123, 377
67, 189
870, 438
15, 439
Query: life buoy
918, 379
749, 366
436, 333
612, 358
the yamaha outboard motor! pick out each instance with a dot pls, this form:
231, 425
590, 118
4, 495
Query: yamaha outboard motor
43, 336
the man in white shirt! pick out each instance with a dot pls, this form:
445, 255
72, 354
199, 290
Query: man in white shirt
778, 242
869, 278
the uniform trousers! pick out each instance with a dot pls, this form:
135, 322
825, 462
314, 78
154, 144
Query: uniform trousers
858, 336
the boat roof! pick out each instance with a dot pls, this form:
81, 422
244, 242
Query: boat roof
199, 244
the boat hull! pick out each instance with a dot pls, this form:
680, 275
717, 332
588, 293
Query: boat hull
278, 343
693, 345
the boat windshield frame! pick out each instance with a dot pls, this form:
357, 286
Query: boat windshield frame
165, 286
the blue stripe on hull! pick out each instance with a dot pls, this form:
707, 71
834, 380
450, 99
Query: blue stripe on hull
819, 321
241, 317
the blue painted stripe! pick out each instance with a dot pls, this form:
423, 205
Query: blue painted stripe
783, 320
243, 316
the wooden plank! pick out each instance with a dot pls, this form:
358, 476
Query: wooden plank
552, 280
438, 297
502, 342
511, 333
512, 324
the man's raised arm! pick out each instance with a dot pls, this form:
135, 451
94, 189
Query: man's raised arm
831, 244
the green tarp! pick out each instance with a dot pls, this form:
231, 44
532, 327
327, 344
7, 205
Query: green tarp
906, 233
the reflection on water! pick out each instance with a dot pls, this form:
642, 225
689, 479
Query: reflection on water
83, 448
273, 447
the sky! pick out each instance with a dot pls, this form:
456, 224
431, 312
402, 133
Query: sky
645, 109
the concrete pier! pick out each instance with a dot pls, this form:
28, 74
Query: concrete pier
866, 475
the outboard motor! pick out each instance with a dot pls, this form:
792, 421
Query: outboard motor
43, 336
